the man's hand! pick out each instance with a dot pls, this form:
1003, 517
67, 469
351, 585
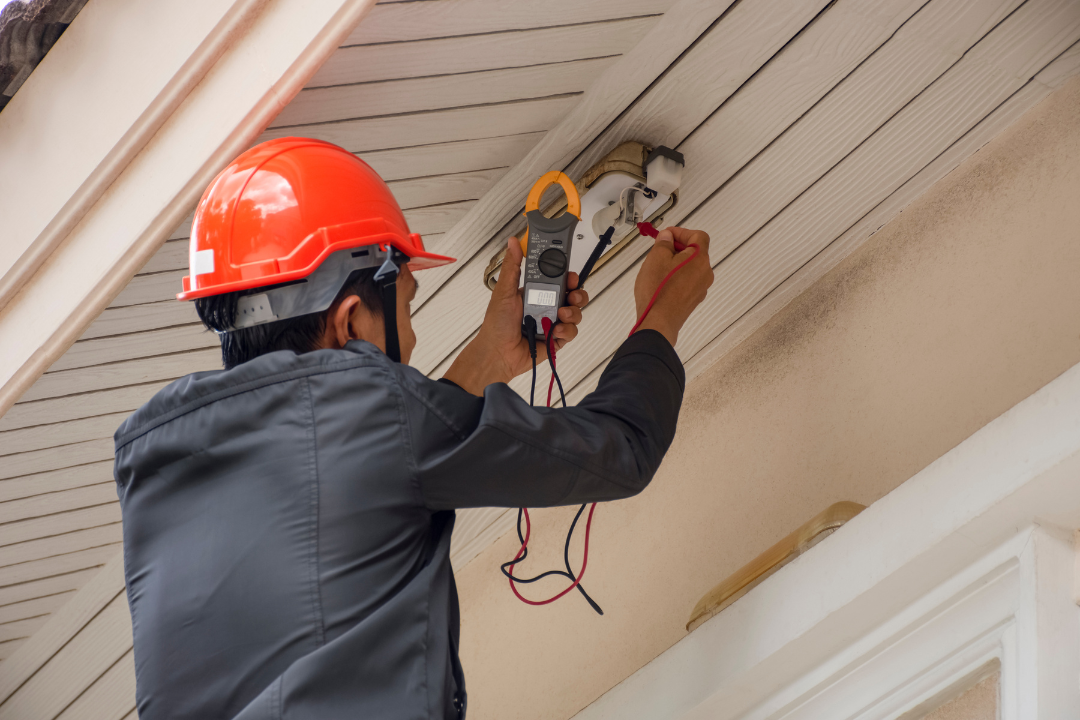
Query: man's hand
686, 288
499, 352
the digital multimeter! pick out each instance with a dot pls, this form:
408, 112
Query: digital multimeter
546, 244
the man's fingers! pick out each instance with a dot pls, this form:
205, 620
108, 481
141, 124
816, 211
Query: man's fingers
570, 314
685, 236
578, 298
665, 240
565, 332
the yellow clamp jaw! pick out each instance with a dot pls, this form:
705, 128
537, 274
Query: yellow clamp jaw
573, 200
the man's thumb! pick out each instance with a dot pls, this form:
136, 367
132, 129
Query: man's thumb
510, 271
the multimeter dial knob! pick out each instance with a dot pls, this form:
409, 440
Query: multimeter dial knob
552, 262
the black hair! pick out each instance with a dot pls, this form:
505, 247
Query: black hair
299, 334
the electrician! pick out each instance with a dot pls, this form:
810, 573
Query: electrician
287, 520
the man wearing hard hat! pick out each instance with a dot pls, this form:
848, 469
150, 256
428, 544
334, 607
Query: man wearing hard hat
287, 520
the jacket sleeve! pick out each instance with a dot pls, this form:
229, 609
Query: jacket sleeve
498, 451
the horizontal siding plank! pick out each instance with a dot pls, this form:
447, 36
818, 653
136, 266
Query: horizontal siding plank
909, 141
87, 558
64, 522
399, 22
56, 545
136, 345
517, 48
57, 502
75, 667
73, 407
64, 433
21, 628
121, 374
452, 157
9, 647
139, 318
110, 697
440, 189
45, 588
514, 118
94, 600
68, 456
183, 230
173, 255
150, 289
33, 608
716, 65
436, 219
56, 480
350, 102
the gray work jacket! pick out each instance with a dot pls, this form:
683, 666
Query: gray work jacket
287, 522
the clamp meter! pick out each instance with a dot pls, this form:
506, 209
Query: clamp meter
546, 245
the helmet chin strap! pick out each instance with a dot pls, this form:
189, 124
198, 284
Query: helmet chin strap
387, 278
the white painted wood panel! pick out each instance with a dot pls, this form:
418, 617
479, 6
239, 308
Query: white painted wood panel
426, 128
24, 592
366, 100
150, 288
449, 18
62, 544
116, 348
502, 150
9, 647
34, 528
21, 629
106, 586
76, 666
173, 255
35, 607
72, 407
64, 433
110, 697
436, 219
55, 481
120, 374
58, 564
69, 456
57, 502
440, 189
139, 318
516, 48
727, 56
963, 96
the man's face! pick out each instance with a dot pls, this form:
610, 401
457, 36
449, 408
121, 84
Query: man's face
406, 293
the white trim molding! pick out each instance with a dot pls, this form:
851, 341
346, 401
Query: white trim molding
105, 152
966, 568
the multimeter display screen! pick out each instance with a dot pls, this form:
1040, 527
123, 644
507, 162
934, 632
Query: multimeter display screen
545, 298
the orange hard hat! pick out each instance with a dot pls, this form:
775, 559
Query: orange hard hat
278, 211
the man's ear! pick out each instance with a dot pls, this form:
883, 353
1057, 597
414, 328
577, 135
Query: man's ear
339, 322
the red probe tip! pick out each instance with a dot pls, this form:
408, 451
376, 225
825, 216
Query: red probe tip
646, 228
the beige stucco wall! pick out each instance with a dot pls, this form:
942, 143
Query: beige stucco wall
962, 306
977, 703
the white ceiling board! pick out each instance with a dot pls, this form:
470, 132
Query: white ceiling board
34, 528
40, 437
119, 374
58, 564
35, 607
440, 189
149, 288
453, 157
727, 55
56, 502
138, 318
395, 97
512, 118
436, 219
110, 697
56, 480
451, 18
516, 48
114, 348
68, 456
45, 413
47, 587
173, 255
24, 553
7, 648
911, 139
18, 629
